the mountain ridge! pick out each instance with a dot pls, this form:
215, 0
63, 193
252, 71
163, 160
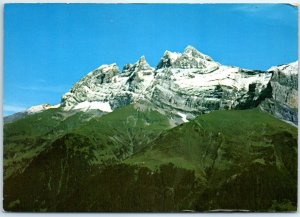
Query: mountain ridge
189, 84
110, 164
186, 135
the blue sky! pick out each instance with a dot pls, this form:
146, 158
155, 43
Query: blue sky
48, 47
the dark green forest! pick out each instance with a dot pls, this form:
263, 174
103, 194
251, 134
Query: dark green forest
133, 161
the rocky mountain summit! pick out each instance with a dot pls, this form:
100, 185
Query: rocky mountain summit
127, 126
194, 84
185, 85
108, 88
189, 59
182, 86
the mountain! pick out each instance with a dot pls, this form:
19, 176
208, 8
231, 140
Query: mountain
183, 86
191, 84
106, 88
114, 135
184, 136
30, 111
284, 101
249, 157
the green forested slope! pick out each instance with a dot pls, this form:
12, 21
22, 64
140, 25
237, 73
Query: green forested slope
130, 160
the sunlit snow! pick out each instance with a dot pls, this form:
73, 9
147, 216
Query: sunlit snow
103, 106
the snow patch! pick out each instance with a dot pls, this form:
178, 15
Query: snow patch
106, 67
40, 108
173, 56
225, 76
183, 117
289, 69
103, 106
55, 106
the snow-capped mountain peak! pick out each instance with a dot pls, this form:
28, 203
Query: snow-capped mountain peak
107, 67
183, 84
109, 86
191, 58
142, 61
142, 65
286, 69
105, 73
194, 53
168, 59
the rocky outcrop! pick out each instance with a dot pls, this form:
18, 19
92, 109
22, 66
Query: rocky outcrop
107, 88
185, 85
284, 101
192, 83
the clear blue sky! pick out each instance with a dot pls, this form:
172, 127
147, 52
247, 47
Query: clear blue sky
48, 47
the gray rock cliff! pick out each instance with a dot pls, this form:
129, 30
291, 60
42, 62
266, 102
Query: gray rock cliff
284, 101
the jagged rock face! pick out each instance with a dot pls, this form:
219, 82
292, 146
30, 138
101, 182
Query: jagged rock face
285, 84
192, 83
192, 93
284, 101
189, 59
106, 88
184, 85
